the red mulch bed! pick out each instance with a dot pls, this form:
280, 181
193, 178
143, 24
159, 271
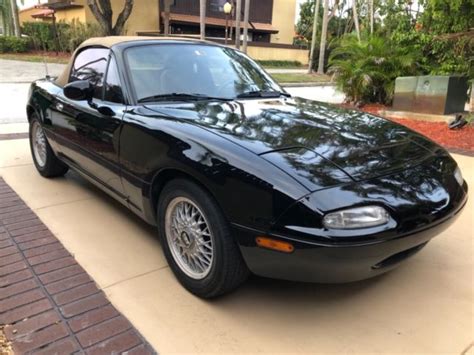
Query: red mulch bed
459, 140
440, 133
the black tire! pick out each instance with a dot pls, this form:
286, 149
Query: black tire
227, 269
52, 166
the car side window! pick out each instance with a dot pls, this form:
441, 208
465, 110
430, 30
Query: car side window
91, 64
113, 87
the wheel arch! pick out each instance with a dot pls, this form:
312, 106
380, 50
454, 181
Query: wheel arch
166, 175
30, 110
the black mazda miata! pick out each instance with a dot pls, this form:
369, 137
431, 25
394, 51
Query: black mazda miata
239, 176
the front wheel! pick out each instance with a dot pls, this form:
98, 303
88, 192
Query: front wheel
46, 162
197, 242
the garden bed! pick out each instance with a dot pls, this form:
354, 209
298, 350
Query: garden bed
457, 140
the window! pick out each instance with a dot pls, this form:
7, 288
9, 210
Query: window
113, 88
217, 5
194, 69
91, 64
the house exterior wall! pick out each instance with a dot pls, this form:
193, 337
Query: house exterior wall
284, 20
25, 15
69, 15
275, 53
144, 16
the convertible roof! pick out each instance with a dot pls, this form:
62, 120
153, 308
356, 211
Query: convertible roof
111, 41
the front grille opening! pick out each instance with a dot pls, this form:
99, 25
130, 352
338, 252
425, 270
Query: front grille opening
398, 257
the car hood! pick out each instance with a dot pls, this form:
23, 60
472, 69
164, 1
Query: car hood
307, 138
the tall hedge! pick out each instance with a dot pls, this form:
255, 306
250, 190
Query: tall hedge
10, 44
68, 34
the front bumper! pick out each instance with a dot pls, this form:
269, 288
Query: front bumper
335, 263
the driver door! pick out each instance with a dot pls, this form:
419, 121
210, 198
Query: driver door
88, 139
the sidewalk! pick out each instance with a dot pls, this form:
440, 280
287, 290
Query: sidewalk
48, 303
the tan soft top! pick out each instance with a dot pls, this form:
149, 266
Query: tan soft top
110, 41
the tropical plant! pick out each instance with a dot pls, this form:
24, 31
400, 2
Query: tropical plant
366, 71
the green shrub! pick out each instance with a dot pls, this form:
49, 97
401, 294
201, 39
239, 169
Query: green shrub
13, 44
68, 34
366, 71
279, 63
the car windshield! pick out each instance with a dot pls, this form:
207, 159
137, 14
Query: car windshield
165, 72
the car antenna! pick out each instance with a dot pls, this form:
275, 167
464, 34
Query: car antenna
45, 63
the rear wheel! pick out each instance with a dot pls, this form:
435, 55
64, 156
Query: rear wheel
46, 162
197, 242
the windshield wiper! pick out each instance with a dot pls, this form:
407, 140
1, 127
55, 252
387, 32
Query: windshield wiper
180, 97
262, 93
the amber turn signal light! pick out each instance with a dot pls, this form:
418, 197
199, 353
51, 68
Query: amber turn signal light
273, 244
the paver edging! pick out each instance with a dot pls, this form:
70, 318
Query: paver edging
48, 302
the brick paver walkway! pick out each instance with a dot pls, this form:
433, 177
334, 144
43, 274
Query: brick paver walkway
48, 303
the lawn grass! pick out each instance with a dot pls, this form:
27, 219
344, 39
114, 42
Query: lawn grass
62, 58
300, 78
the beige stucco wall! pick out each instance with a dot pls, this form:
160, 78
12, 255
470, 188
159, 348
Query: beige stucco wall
267, 53
25, 15
144, 16
284, 20
71, 14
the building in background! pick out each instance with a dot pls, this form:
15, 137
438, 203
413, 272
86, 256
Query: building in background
271, 21
271, 24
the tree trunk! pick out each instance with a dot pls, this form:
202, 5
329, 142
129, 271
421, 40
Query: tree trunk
313, 36
238, 11
122, 17
102, 11
356, 18
324, 33
232, 16
16, 20
166, 25
202, 19
472, 97
371, 10
246, 24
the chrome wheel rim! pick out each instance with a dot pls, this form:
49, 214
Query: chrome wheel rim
39, 144
189, 237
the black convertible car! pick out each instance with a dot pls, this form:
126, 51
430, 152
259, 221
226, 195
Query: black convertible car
238, 175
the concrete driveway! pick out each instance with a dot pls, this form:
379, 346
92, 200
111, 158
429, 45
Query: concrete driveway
425, 306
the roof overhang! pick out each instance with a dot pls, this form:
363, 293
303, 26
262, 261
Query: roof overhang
218, 22
59, 5
45, 13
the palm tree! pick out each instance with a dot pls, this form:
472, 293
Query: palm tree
5, 14
237, 23
202, 18
246, 24
16, 19
366, 71
324, 33
356, 18
166, 25
371, 14
313, 38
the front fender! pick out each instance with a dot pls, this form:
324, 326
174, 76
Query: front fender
250, 191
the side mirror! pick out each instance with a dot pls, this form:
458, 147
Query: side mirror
79, 90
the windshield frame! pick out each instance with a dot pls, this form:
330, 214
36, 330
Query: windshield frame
186, 43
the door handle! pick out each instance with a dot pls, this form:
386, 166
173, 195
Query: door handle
59, 106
